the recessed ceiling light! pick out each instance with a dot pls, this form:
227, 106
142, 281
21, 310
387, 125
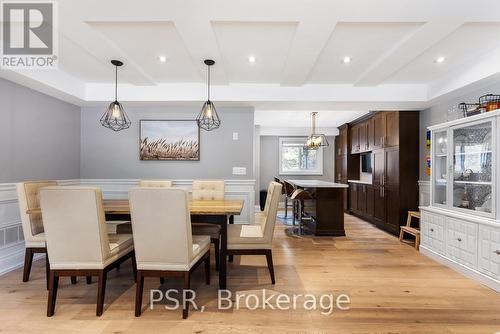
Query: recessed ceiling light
440, 59
251, 59
346, 60
162, 59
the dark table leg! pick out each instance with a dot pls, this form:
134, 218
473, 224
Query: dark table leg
223, 254
231, 221
222, 221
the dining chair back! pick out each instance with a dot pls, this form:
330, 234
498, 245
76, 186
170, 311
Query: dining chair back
28, 198
161, 228
213, 190
75, 227
271, 210
161, 225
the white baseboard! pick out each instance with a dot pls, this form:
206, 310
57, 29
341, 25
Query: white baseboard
471, 273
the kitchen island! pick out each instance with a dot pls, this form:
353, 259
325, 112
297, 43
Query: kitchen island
327, 206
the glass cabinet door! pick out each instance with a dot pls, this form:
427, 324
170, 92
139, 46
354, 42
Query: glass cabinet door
439, 168
472, 167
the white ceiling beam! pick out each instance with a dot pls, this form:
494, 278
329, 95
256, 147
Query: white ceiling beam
407, 50
259, 92
483, 71
50, 82
310, 38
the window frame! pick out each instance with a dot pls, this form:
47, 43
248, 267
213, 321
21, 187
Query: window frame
301, 140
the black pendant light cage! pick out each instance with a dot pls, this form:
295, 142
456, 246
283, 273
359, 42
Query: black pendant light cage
315, 140
208, 119
115, 118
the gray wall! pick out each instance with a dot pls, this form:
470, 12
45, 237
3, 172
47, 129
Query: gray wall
269, 162
39, 135
438, 114
115, 155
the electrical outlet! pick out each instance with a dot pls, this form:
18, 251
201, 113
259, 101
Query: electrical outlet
235, 135
239, 171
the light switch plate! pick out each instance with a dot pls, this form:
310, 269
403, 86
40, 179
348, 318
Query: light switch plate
239, 171
235, 135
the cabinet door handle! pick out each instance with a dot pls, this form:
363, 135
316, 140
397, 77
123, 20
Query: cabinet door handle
497, 252
459, 239
432, 230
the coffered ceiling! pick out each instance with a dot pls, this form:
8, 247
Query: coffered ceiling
298, 46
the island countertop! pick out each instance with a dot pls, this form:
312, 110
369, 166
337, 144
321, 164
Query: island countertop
317, 184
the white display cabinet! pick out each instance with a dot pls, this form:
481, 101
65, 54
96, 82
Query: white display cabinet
461, 227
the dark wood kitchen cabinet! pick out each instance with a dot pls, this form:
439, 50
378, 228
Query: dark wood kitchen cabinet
362, 134
392, 137
355, 139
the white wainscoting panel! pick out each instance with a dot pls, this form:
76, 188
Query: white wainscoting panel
235, 189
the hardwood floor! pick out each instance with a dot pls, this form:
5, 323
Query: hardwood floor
393, 289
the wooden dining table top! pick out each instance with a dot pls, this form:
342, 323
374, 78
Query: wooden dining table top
224, 207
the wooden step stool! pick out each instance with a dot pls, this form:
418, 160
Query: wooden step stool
411, 230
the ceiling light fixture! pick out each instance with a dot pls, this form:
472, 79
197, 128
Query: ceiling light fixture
315, 140
346, 60
207, 118
440, 59
162, 59
251, 59
115, 117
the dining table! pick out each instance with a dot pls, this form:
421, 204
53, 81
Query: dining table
219, 212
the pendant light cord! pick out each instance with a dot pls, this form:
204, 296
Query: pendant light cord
116, 83
208, 82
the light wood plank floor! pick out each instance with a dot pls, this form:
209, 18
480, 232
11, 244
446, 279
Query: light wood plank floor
393, 289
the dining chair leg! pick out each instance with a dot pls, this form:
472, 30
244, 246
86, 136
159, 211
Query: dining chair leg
73, 280
162, 280
286, 207
207, 269
47, 270
217, 253
134, 266
138, 293
89, 279
187, 286
270, 266
101, 291
28, 261
53, 285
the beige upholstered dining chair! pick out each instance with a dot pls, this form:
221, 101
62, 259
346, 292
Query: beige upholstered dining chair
77, 239
257, 239
209, 190
34, 236
155, 183
164, 245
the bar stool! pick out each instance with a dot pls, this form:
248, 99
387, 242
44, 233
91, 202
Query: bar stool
289, 189
298, 197
411, 230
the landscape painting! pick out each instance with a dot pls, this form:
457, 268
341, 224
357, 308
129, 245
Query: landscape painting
173, 140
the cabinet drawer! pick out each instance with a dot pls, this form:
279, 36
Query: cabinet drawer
489, 251
461, 241
432, 231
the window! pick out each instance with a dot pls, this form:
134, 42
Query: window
295, 160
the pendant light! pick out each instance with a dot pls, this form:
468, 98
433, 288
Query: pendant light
315, 140
115, 117
207, 118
